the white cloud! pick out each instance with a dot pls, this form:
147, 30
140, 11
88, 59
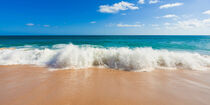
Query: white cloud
193, 23
130, 25
155, 25
157, 17
190, 24
93, 22
141, 2
117, 7
46, 25
207, 12
167, 24
207, 22
30, 24
170, 16
153, 1
171, 5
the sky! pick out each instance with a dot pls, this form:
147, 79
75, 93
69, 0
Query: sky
104, 17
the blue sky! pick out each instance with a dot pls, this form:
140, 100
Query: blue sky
105, 17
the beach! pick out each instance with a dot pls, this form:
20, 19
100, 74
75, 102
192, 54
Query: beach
104, 70
105, 52
32, 85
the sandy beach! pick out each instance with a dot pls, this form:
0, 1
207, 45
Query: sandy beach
105, 52
28, 85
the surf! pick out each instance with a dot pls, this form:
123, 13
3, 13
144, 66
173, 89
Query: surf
69, 56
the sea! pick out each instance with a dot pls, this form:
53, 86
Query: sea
120, 52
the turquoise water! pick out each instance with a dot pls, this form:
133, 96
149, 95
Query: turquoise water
142, 53
200, 44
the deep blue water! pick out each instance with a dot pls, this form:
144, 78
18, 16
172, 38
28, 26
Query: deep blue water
200, 44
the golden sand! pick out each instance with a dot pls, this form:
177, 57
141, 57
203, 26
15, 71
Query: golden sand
27, 85
7, 48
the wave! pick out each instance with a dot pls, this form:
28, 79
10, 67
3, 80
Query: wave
76, 57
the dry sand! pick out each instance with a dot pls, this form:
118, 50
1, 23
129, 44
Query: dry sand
27, 85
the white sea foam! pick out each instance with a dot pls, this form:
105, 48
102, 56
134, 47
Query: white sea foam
76, 57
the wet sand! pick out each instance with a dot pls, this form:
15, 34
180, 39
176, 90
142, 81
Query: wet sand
27, 85
7, 48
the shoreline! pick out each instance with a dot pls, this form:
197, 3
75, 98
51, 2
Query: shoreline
30, 85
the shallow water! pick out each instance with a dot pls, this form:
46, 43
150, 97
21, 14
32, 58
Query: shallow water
199, 44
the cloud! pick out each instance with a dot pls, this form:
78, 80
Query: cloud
190, 24
153, 1
93, 22
206, 12
46, 25
129, 25
155, 25
167, 24
170, 16
150, 1
141, 2
117, 7
171, 5
207, 22
193, 23
157, 17
30, 24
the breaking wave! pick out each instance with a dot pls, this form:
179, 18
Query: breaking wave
77, 57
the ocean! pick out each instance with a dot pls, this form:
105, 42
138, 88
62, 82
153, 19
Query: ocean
138, 53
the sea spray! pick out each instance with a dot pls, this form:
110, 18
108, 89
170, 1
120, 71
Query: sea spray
76, 57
